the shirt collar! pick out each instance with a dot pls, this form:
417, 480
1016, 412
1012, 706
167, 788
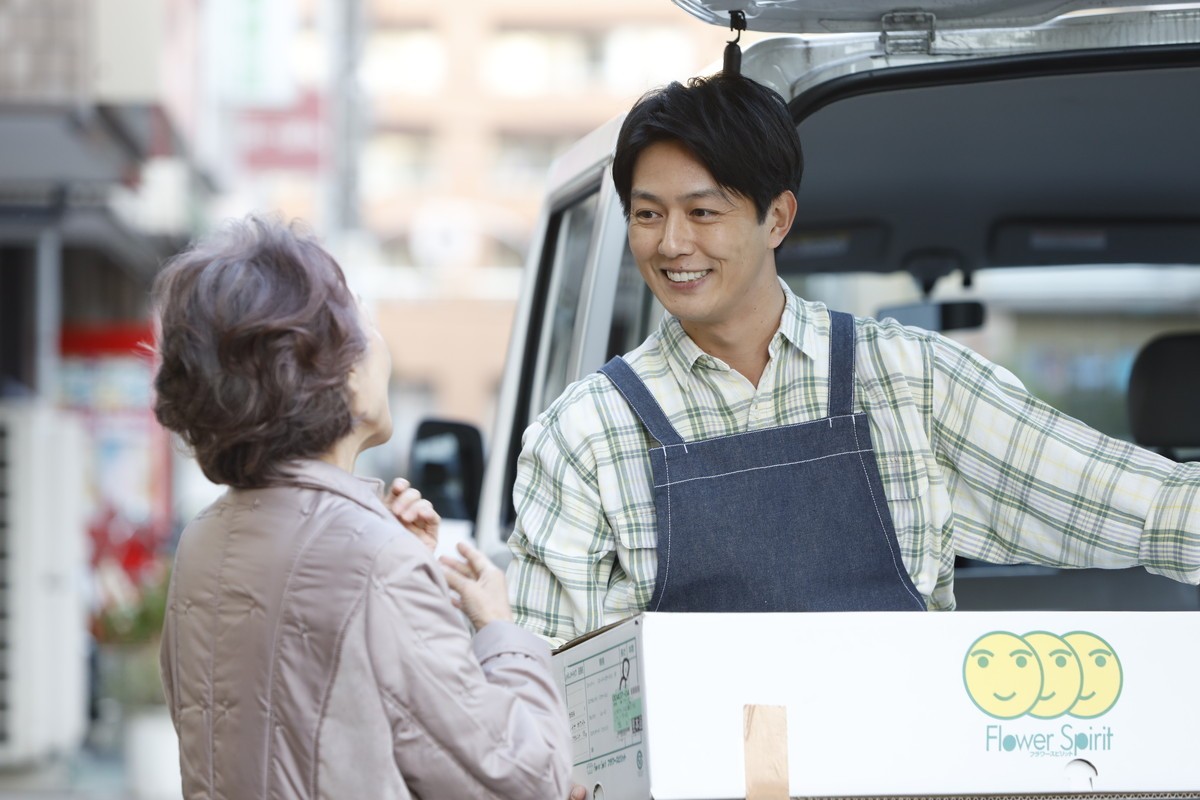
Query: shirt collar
797, 327
800, 325
681, 352
313, 474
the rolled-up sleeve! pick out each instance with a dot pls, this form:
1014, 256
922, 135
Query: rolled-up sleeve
1030, 484
468, 719
1171, 539
562, 545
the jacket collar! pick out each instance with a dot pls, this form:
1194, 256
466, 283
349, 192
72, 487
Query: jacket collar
320, 475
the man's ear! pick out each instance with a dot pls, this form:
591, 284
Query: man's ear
780, 217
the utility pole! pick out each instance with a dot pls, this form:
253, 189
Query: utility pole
344, 35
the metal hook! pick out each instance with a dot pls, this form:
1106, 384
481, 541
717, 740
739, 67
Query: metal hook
733, 53
737, 22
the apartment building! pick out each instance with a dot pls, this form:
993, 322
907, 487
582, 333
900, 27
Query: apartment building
461, 107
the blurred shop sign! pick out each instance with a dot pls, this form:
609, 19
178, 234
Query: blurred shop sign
287, 137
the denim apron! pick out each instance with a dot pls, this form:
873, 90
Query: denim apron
791, 518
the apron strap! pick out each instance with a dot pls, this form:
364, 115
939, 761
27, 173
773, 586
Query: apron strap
841, 364
641, 401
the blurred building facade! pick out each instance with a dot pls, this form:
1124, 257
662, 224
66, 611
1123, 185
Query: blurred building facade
98, 184
436, 124
466, 105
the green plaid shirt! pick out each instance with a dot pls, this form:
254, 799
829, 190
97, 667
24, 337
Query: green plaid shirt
971, 463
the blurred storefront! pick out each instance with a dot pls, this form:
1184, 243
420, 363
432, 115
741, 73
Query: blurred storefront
98, 185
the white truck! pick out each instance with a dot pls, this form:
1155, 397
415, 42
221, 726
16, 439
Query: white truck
1024, 176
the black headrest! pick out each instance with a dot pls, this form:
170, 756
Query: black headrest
1164, 392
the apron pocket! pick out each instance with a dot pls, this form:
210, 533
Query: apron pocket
637, 552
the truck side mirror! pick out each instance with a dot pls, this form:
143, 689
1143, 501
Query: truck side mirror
447, 467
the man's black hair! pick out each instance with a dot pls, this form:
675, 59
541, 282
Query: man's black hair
740, 130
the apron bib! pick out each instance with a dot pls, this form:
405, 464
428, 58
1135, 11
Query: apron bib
791, 518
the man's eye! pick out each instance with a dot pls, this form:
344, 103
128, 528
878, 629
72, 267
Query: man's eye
703, 212
644, 214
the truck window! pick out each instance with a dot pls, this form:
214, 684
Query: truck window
552, 331
562, 309
635, 310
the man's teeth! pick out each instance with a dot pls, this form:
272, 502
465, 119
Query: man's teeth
684, 277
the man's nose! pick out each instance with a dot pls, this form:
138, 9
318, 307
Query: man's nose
676, 237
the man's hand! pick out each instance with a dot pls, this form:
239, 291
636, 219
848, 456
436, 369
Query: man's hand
577, 792
414, 512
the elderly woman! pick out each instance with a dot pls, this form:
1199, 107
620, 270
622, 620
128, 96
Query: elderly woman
311, 646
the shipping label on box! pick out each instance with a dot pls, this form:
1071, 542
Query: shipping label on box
601, 679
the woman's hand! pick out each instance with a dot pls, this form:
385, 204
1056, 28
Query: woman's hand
414, 512
482, 592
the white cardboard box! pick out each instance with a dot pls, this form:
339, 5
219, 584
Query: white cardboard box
963, 703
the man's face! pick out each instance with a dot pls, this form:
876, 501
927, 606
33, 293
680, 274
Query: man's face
700, 248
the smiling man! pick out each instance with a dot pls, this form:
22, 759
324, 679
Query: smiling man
760, 452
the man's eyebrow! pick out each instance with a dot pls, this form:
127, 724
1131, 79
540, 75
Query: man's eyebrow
641, 194
699, 194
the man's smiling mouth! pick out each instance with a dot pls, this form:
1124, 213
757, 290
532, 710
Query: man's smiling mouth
686, 277
1004, 699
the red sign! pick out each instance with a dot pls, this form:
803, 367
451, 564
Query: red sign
281, 138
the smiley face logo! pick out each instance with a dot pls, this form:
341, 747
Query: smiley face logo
1102, 674
1003, 675
1062, 674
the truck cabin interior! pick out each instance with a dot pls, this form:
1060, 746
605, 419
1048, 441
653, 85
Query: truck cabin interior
1073, 158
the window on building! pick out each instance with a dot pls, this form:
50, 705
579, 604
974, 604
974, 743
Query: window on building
530, 63
533, 63
627, 66
396, 252
309, 58
523, 159
409, 62
394, 160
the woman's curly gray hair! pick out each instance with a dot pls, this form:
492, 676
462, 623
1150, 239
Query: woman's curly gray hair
259, 334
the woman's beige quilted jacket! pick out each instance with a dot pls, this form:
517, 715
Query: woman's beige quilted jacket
311, 651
